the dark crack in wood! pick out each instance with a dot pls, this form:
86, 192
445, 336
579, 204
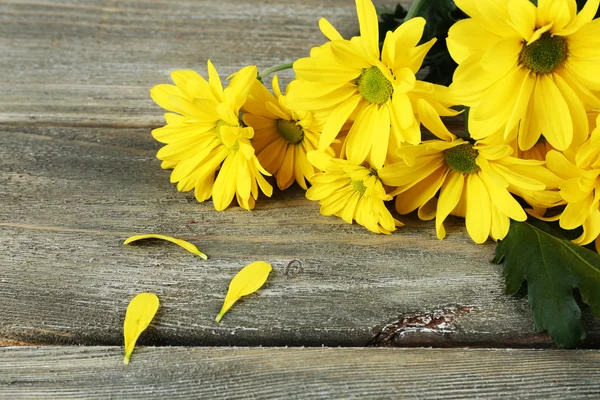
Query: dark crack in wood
437, 322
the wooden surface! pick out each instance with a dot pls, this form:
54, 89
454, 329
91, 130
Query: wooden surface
178, 372
78, 175
71, 195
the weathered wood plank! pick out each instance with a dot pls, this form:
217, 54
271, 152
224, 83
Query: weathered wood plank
78, 175
94, 63
175, 372
71, 195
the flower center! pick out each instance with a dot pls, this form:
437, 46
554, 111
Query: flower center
359, 186
290, 131
462, 158
374, 87
545, 54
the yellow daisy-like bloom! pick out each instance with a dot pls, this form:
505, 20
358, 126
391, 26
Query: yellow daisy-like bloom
527, 67
581, 188
473, 181
377, 90
351, 192
282, 135
203, 133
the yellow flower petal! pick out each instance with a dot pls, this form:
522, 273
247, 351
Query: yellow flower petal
369, 28
214, 81
162, 95
467, 37
224, 188
519, 111
319, 159
421, 195
559, 164
478, 213
428, 210
576, 109
337, 119
251, 278
582, 91
140, 312
500, 224
523, 16
186, 245
312, 69
586, 15
285, 175
529, 129
503, 200
449, 197
553, 113
576, 213
431, 120
328, 30
358, 142
502, 56
554, 11
591, 230
416, 56
571, 191
402, 112
380, 137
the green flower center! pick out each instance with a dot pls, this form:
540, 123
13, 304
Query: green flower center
374, 87
290, 131
359, 186
461, 158
545, 54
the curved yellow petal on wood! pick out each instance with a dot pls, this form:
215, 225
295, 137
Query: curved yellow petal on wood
247, 281
140, 312
186, 245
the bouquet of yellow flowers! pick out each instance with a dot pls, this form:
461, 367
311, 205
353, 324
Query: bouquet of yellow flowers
362, 124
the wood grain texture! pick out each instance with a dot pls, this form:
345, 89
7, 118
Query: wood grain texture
93, 63
176, 372
78, 175
72, 195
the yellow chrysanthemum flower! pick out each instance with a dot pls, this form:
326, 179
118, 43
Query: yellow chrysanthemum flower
378, 91
581, 188
441, 178
527, 67
282, 135
203, 131
351, 192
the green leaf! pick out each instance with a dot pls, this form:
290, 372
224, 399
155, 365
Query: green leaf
552, 266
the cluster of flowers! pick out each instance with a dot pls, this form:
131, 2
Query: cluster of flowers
349, 125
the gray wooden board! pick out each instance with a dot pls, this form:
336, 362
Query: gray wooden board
93, 62
72, 195
179, 372
78, 175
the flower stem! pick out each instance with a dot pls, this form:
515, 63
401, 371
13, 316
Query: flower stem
415, 9
275, 69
